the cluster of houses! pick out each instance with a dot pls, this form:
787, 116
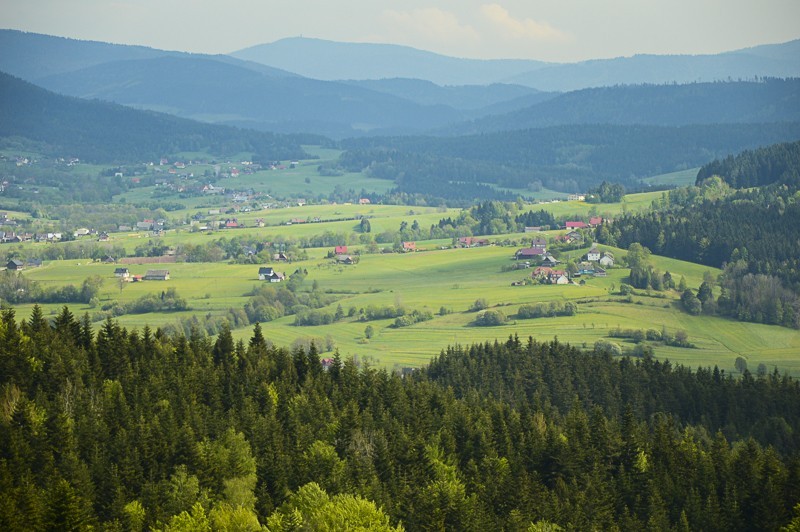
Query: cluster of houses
124, 274
594, 264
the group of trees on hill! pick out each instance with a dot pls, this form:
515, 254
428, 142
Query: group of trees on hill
779, 163
751, 233
125, 429
563, 158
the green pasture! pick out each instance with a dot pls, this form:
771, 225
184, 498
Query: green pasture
681, 178
453, 279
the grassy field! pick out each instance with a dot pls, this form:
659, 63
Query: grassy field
452, 279
681, 178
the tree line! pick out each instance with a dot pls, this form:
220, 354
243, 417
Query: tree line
131, 429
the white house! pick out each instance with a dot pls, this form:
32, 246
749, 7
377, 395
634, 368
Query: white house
266, 273
593, 255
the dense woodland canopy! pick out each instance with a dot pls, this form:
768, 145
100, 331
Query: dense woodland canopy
122, 430
779, 163
752, 233
564, 158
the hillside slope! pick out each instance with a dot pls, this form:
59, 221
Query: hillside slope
105, 132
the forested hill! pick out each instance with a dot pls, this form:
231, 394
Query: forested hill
136, 430
109, 133
770, 100
751, 232
779, 164
565, 158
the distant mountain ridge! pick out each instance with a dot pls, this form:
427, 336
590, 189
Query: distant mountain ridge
234, 91
771, 100
109, 133
774, 60
204, 89
331, 60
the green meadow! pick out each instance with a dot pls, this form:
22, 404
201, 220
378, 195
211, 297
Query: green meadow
449, 279
681, 178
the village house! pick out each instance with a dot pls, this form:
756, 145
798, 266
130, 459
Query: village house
594, 221
15, 265
576, 225
607, 260
472, 242
539, 243
593, 255
267, 273
156, 275
529, 253
570, 237
345, 259
548, 275
549, 260
586, 268
409, 246
122, 273
340, 250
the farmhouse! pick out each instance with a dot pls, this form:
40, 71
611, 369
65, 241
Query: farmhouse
409, 246
156, 275
576, 225
529, 253
539, 243
607, 260
345, 259
15, 264
266, 273
472, 242
123, 273
594, 221
593, 255
550, 276
549, 260
340, 250
570, 237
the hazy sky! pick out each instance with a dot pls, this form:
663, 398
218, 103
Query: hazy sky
551, 30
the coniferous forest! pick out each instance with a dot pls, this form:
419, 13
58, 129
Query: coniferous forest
135, 430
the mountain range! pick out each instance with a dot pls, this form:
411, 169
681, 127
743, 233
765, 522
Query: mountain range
329, 60
344, 90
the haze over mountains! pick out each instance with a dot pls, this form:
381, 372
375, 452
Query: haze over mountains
329, 60
344, 90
